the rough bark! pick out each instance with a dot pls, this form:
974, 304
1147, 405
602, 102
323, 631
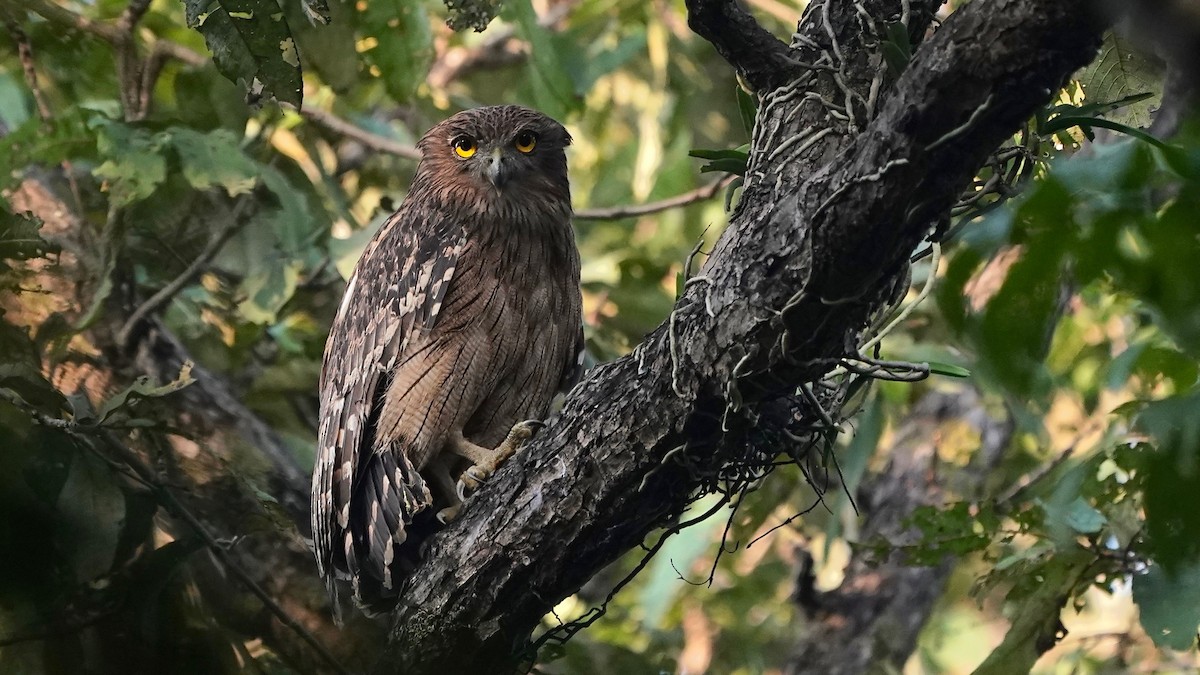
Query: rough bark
824, 228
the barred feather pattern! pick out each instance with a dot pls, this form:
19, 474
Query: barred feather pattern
462, 318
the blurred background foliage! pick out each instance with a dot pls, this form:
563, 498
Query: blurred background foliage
1075, 306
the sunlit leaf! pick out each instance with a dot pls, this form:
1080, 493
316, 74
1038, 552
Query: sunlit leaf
213, 159
135, 163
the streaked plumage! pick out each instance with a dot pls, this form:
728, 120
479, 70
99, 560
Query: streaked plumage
461, 319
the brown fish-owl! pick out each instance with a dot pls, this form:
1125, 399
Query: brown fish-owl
461, 320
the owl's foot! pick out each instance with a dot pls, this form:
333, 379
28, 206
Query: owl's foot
473, 477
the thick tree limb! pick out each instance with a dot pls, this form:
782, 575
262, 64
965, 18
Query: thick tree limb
761, 59
811, 253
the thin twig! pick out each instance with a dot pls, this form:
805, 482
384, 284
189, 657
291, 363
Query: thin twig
340, 126
687, 198
172, 504
147, 476
166, 293
25, 55
65, 17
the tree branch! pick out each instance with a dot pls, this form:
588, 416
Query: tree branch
168, 292
807, 258
700, 194
762, 60
337, 125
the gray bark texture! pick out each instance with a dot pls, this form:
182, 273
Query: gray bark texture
849, 170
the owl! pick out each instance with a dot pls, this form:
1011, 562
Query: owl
460, 323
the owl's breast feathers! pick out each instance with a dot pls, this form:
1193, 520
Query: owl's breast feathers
457, 318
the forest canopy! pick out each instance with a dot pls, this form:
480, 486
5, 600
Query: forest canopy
892, 309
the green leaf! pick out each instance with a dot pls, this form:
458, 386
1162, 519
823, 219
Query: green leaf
747, 109
732, 161
897, 49
1175, 156
251, 44
1019, 321
1035, 617
1083, 518
1121, 72
403, 44
328, 48
948, 369
735, 153
92, 509
16, 107
1173, 479
45, 143
1169, 605
206, 100
294, 222
1171, 364
551, 86
213, 158
586, 65
268, 290
135, 162
1094, 108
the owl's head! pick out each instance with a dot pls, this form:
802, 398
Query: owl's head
504, 149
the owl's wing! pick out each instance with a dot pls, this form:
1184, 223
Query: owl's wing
395, 293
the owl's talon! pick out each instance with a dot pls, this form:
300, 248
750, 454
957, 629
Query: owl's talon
470, 480
449, 514
473, 477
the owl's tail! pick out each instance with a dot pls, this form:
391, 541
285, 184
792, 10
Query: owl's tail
388, 495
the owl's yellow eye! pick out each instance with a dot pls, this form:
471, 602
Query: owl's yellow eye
526, 140
464, 146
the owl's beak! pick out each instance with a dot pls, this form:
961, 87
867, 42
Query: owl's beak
498, 171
